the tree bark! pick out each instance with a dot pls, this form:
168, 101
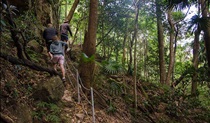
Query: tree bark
206, 29
124, 42
135, 55
89, 46
66, 1
195, 61
160, 43
171, 48
130, 70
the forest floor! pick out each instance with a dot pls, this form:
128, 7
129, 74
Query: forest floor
113, 100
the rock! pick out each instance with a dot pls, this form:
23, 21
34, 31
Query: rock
67, 96
35, 46
80, 116
23, 113
50, 91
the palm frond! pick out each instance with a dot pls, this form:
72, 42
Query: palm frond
194, 23
112, 67
178, 4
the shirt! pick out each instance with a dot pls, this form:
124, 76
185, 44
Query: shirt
56, 48
49, 33
64, 28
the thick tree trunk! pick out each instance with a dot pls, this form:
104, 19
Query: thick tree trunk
89, 46
207, 42
160, 43
206, 29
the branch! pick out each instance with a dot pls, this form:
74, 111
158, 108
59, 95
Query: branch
180, 79
6, 118
28, 63
12, 30
106, 35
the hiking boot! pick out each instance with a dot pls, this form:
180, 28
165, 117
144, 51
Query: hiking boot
64, 79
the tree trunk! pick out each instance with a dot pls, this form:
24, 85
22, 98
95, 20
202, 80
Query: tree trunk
206, 29
29, 4
195, 61
124, 42
87, 68
160, 43
145, 59
134, 39
130, 71
66, 8
171, 55
207, 42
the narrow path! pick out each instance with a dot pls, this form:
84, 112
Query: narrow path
77, 106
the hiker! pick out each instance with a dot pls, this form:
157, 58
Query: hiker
57, 54
64, 29
48, 34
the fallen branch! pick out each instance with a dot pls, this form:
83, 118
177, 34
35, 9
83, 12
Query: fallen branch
6, 119
28, 63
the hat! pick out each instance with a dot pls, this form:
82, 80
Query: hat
66, 20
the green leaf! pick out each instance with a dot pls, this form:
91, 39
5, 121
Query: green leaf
3, 23
85, 58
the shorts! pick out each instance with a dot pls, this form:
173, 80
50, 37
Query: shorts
58, 59
64, 37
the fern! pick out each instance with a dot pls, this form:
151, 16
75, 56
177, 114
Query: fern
111, 109
49, 110
112, 67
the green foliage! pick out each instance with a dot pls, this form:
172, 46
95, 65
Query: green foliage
177, 104
2, 23
193, 23
112, 108
49, 111
86, 59
128, 98
177, 15
27, 23
204, 96
33, 55
111, 67
115, 87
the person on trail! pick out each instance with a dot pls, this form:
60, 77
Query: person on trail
48, 34
64, 29
57, 54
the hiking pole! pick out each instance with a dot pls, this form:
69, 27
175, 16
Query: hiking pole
93, 110
78, 86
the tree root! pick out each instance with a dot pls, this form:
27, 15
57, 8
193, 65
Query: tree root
28, 63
